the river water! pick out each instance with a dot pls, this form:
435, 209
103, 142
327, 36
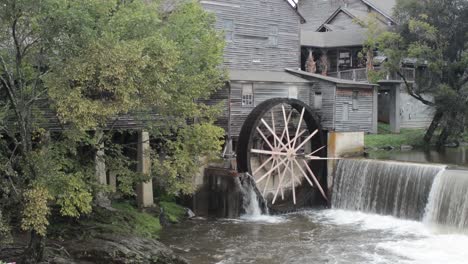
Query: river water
316, 236
431, 204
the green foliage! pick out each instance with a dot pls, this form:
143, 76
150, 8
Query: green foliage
432, 34
176, 170
5, 231
174, 212
374, 76
36, 210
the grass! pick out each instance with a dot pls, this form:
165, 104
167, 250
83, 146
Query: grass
413, 137
125, 220
143, 224
174, 212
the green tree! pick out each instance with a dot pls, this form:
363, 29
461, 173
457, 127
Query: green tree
90, 61
434, 34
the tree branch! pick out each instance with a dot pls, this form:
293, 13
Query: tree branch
411, 92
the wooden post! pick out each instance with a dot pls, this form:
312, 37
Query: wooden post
100, 170
144, 189
395, 109
113, 180
375, 111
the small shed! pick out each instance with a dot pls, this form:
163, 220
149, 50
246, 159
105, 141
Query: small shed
343, 105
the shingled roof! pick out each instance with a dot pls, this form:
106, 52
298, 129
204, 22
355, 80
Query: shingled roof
385, 7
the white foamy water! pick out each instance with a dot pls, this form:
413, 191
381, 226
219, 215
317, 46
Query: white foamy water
410, 242
270, 219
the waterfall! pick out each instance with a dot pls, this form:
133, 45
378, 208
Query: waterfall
448, 200
384, 187
252, 202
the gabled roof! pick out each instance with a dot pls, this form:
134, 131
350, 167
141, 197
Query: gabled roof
384, 7
338, 82
297, 11
333, 39
362, 16
264, 76
331, 27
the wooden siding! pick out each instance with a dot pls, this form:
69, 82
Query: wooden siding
253, 19
316, 12
360, 119
345, 21
326, 112
262, 91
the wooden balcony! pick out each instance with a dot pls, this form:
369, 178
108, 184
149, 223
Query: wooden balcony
360, 74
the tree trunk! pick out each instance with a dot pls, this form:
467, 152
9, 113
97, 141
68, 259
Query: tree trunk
442, 138
35, 250
432, 128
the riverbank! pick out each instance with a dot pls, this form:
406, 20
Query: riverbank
121, 234
386, 139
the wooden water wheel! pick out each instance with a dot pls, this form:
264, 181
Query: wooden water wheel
281, 144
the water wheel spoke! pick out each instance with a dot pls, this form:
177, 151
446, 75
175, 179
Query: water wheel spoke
309, 157
273, 126
306, 140
265, 138
273, 133
304, 173
268, 179
317, 150
280, 184
286, 127
270, 171
298, 128
293, 185
263, 165
284, 130
315, 180
267, 152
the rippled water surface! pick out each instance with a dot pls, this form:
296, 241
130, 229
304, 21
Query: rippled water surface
321, 236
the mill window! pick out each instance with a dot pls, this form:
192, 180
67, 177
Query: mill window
355, 100
247, 95
345, 115
318, 100
293, 92
273, 36
229, 30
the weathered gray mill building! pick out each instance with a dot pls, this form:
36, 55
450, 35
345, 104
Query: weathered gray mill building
263, 40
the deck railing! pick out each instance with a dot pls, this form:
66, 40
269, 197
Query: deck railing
360, 74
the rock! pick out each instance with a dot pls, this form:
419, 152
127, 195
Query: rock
388, 148
163, 219
452, 145
406, 147
189, 213
121, 249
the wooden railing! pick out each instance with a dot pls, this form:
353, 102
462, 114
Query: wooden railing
360, 74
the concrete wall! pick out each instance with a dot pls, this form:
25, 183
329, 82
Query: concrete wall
413, 113
396, 105
343, 144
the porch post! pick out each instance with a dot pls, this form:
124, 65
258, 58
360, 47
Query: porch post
394, 114
375, 111
144, 189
